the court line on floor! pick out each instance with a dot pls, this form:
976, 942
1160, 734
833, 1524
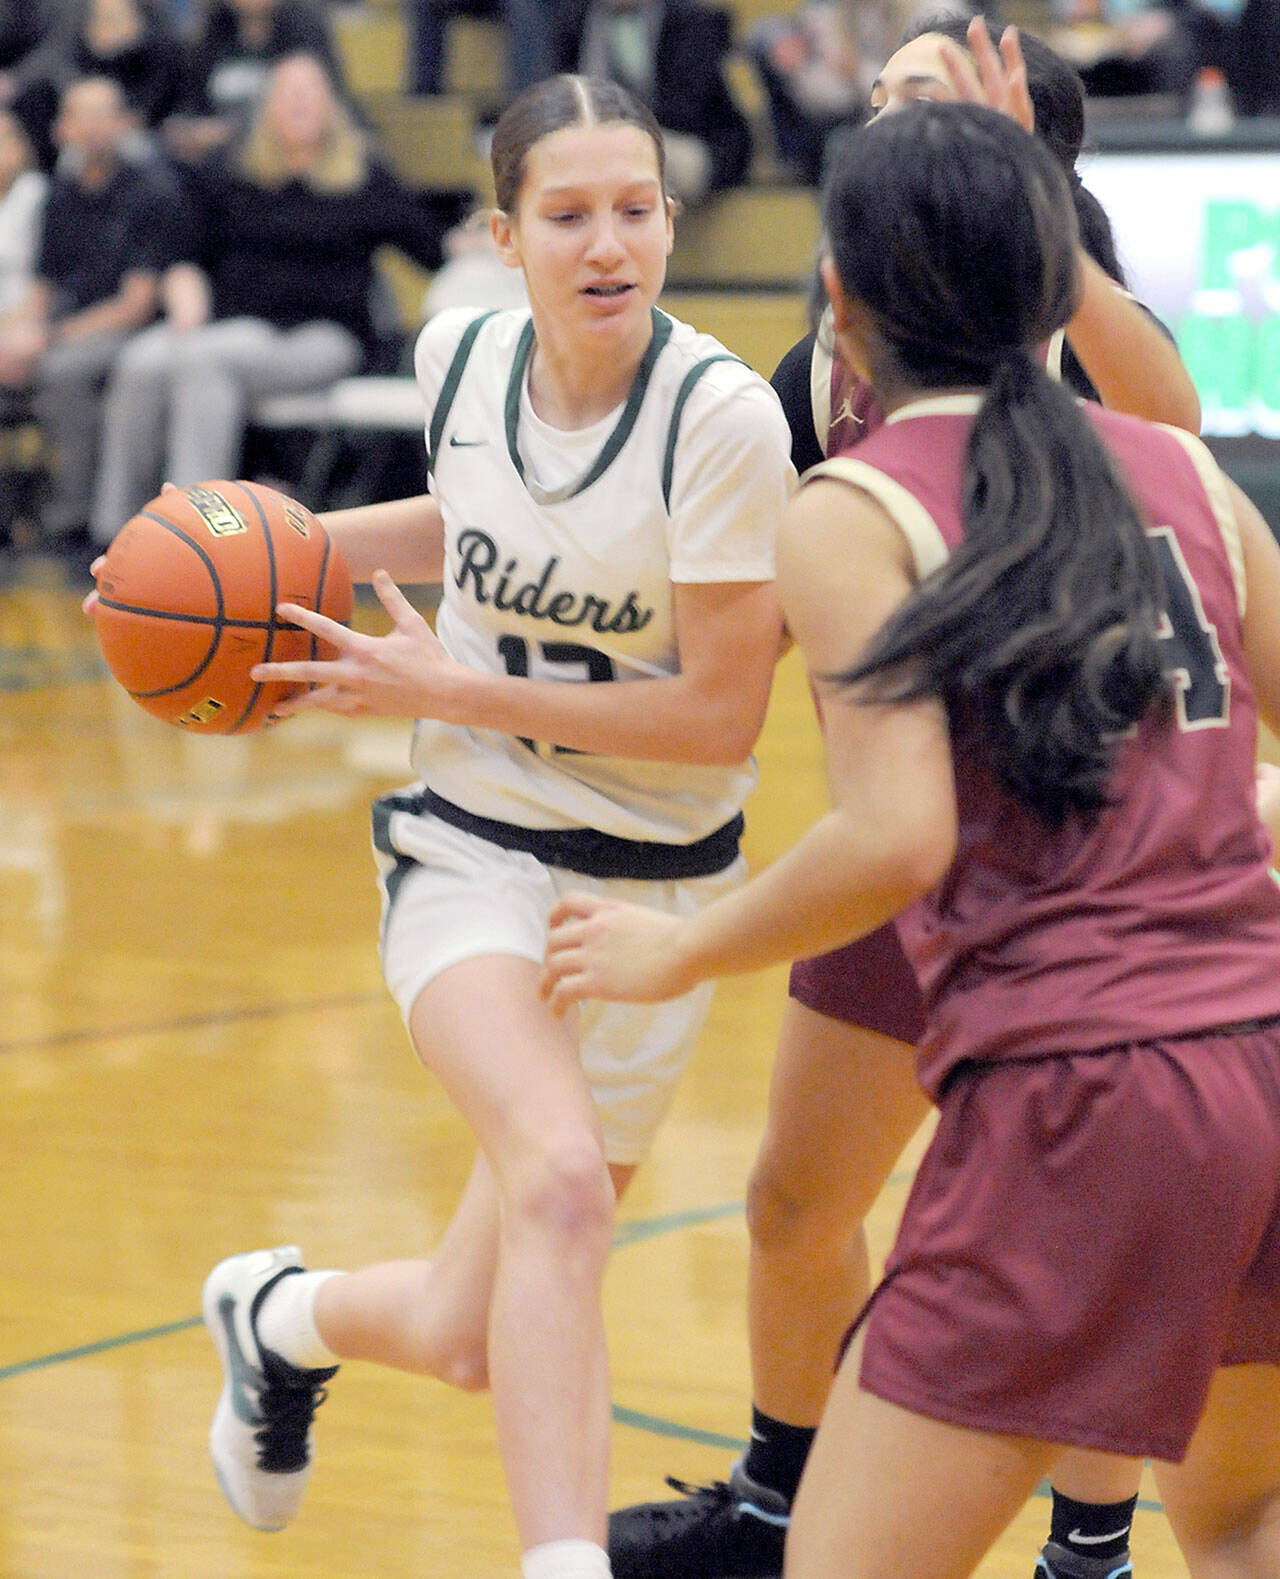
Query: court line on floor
630, 1233
192, 1022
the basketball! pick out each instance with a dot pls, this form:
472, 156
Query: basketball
187, 599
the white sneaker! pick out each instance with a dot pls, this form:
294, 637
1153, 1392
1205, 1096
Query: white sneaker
261, 1433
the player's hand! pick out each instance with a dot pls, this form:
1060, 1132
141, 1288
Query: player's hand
404, 674
996, 78
602, 948
90, 604
1268, 790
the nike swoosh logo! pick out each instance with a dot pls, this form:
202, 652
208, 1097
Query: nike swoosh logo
456, 443
243, 1375
1077, 1539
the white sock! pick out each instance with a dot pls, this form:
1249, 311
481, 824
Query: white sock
286, 1322
566, 1560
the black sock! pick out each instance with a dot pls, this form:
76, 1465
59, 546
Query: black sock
1094, 1529
777, 1454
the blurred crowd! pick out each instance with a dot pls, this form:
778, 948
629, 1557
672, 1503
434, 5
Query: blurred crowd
192, 203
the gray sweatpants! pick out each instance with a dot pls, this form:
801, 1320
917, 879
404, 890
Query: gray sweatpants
178, 404
67, 400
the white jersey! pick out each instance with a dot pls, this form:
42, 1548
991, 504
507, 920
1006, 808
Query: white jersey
560, 553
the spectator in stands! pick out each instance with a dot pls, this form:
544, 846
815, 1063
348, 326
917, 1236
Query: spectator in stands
23, 189
107, 235
818, 62
134, 42
239, 44
33, 37
529, 33
1126, 47
672, 55
273, 296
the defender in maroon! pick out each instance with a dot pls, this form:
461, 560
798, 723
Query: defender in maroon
1042, 636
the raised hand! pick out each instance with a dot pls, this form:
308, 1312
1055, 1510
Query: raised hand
602, 948
996, 78
404, 674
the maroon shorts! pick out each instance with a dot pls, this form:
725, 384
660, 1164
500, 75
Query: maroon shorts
1088, 1237
867, 983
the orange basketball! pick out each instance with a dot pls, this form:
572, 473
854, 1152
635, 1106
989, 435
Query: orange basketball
187, 601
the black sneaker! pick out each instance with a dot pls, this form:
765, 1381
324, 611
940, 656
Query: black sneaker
1061, 1562
733, 1531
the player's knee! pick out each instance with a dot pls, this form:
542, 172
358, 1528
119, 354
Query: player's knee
783, 1215
565, 1192
776, 1214
466, 1368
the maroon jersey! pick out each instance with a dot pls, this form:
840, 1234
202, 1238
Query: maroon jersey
1159, 917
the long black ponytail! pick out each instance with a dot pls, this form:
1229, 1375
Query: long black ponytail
952, 227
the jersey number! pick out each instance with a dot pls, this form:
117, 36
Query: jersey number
514, 652
1192, 656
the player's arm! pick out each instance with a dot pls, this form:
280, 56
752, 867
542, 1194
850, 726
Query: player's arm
1131, 362
710, 712
1262, 604
404, 537
889, 837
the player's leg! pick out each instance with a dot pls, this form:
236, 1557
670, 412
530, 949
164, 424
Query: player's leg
843, 1102
523, 1264
1223, 1500
889, 1494
513, 1070
1094, 1498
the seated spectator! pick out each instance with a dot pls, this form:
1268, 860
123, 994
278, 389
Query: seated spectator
23, 189
671, 55
273, 296
240, 42
134, 42
1127, 47
33, 39
107, 235
528, 28
818, 62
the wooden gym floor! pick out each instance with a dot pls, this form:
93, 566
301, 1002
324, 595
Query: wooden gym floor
198, 1057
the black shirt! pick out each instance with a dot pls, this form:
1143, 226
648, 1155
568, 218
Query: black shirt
294, 255
92, 239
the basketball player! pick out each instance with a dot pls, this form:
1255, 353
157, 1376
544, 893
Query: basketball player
606, 488
1041, 725
851, 1016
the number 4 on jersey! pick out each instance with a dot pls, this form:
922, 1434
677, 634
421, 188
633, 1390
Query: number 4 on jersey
1192, 656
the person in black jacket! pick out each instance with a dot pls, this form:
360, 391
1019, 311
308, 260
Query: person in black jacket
239, 44
671, 54
273, 296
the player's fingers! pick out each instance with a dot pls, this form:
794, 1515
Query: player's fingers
402, 612
90, 604
985, 57
961, 73
305, 672
318, 624
575, 905
562, 993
